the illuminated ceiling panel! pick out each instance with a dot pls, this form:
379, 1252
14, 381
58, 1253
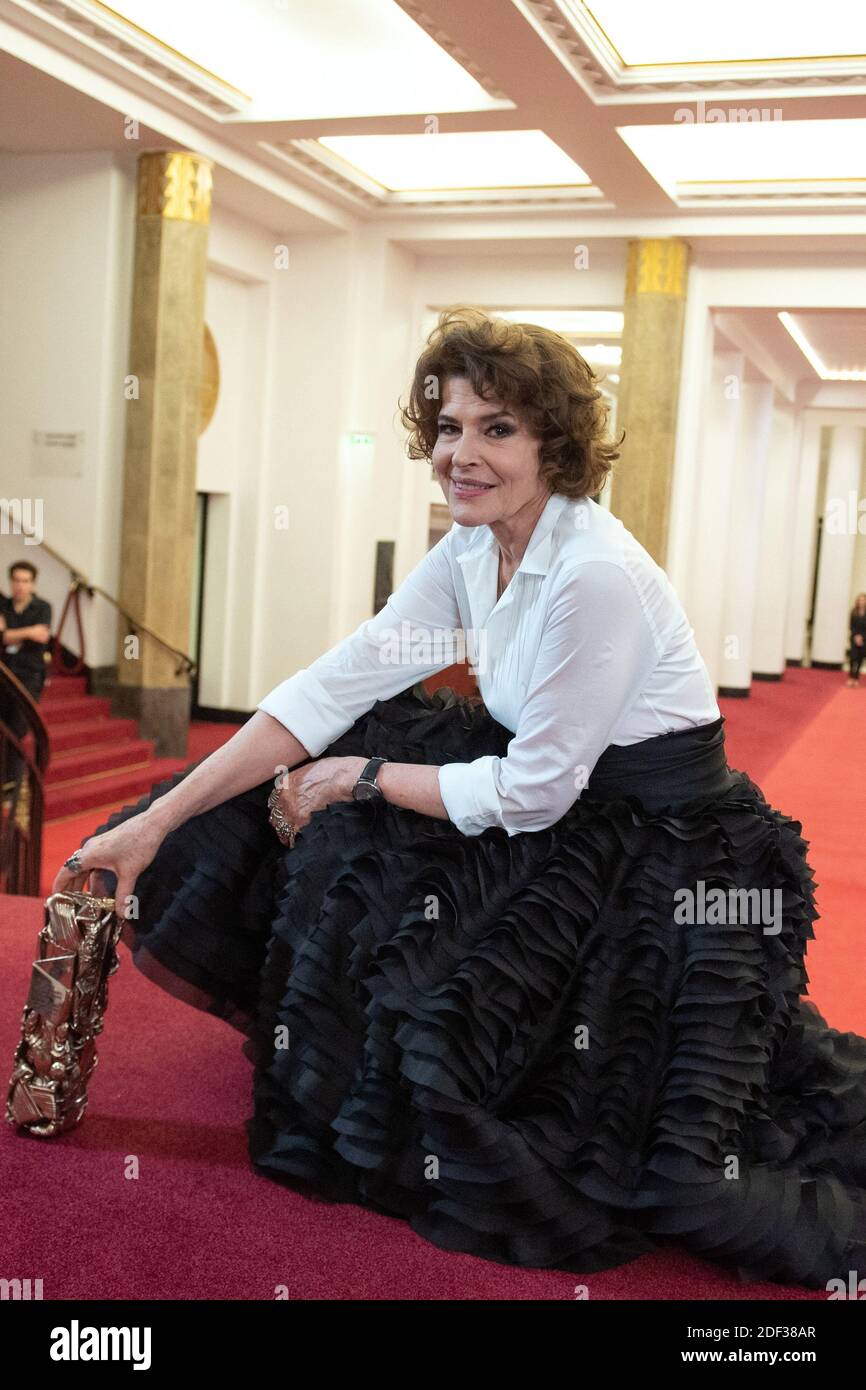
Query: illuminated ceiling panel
681, 31
296, 60
479, 159
750, 152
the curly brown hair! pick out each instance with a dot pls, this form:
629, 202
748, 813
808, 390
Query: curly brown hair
533, 371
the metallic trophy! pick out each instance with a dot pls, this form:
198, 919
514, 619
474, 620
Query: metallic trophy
63, 1014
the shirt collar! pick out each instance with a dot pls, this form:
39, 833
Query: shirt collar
536, 557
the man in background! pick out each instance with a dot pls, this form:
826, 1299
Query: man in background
25, 633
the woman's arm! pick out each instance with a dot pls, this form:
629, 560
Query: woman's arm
414, 786
409, 639
259, 750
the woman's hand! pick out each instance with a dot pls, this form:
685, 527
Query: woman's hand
126, 851
316, 785
858, 640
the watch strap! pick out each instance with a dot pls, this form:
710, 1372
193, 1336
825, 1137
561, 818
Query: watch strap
367, 776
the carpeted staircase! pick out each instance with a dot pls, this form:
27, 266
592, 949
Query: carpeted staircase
96, 760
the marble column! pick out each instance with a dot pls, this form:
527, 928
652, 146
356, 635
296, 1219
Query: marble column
838, 539
162, 427
655, 298
739, 573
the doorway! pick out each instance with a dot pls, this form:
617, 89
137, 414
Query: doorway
197, 602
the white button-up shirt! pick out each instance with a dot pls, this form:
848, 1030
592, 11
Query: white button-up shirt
587, 646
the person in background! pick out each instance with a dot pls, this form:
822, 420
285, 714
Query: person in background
25, 632
857, 649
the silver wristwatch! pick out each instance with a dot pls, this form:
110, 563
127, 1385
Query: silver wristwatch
367, 788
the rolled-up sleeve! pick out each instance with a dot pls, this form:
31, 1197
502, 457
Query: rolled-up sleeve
415, 634
597, 650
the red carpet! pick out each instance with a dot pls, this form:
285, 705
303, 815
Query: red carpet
173, 1089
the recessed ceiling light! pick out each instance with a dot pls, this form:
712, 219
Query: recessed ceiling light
455, 160
739, 152
679, 31
298, 60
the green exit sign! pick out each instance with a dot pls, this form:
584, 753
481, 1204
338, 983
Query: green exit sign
360, 439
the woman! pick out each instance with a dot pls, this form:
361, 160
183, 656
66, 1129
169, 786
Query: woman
857, 649
480, 981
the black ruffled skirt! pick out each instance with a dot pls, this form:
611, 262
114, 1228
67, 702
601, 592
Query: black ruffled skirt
544, 1049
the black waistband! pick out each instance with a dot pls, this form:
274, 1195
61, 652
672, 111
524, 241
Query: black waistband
665, 771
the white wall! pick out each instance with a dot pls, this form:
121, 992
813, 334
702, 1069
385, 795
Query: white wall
65, 286
737, 568
722, 283
836, 563
774, 584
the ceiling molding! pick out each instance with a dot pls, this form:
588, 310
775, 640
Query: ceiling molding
754, 194
582, 200
433, 30
583, 48
312, 166
139, 52
331, 171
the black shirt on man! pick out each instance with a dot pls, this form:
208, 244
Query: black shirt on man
29, 658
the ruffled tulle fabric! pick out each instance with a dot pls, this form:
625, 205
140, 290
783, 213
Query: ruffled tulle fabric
511, 1041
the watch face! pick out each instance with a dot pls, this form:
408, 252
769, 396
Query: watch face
365, 792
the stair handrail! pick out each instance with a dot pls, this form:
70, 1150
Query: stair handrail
20, 854
79, 581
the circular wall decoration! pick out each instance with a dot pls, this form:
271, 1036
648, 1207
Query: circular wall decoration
209, 387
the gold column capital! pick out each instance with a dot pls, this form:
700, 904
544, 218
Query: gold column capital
657, 265
175, 184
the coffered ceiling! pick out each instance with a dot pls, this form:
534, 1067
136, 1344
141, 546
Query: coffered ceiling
392, 108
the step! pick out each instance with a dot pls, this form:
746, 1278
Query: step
60, 701
83, 733
61, 687
114, 789
105, 757
75, 707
